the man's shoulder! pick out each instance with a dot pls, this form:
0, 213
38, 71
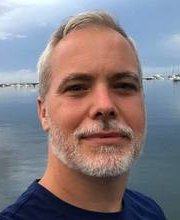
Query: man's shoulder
22, 205
35, 203
142, 204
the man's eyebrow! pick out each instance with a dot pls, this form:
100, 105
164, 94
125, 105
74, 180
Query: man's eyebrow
126, 75
74, 77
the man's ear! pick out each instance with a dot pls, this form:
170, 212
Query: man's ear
42, 113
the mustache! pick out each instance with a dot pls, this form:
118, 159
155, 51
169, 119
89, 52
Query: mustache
99, 127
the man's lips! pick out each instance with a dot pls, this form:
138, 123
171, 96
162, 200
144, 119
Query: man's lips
102, 135
105, 137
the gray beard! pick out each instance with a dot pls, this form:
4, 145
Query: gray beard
103, 161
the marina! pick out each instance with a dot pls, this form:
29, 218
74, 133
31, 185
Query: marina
19, 85
173, 77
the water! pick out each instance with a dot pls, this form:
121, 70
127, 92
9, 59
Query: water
23, 146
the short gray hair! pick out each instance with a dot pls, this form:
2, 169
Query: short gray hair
93, 18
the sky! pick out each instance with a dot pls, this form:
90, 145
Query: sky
26, 25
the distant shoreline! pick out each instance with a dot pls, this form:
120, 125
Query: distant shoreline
19, 85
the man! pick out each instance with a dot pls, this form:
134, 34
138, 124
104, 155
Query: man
91, 104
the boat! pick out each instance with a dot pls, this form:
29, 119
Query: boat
158, 77
176, 78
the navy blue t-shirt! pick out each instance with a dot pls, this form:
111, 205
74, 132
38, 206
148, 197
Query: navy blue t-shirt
37, 203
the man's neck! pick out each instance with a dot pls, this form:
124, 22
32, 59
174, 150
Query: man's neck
90, 193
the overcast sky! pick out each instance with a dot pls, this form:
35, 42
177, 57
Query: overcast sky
25, 26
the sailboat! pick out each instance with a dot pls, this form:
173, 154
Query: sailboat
176, 77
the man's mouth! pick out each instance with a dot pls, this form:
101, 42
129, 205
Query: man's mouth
106, 137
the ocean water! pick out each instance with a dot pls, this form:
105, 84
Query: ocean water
23, 145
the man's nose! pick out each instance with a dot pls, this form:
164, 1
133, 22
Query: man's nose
104, 105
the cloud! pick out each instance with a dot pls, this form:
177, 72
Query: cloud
174, 41
6, 6
43, 24
10, 4
19, 76
10, 36
24, 15
172, 44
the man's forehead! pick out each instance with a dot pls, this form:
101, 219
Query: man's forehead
90, 34
97, 38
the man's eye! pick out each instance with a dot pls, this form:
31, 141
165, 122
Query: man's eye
126, 87
76, 88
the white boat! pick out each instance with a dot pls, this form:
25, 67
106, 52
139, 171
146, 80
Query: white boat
176, 78
158, 77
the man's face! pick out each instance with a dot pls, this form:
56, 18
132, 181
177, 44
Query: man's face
95, 109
